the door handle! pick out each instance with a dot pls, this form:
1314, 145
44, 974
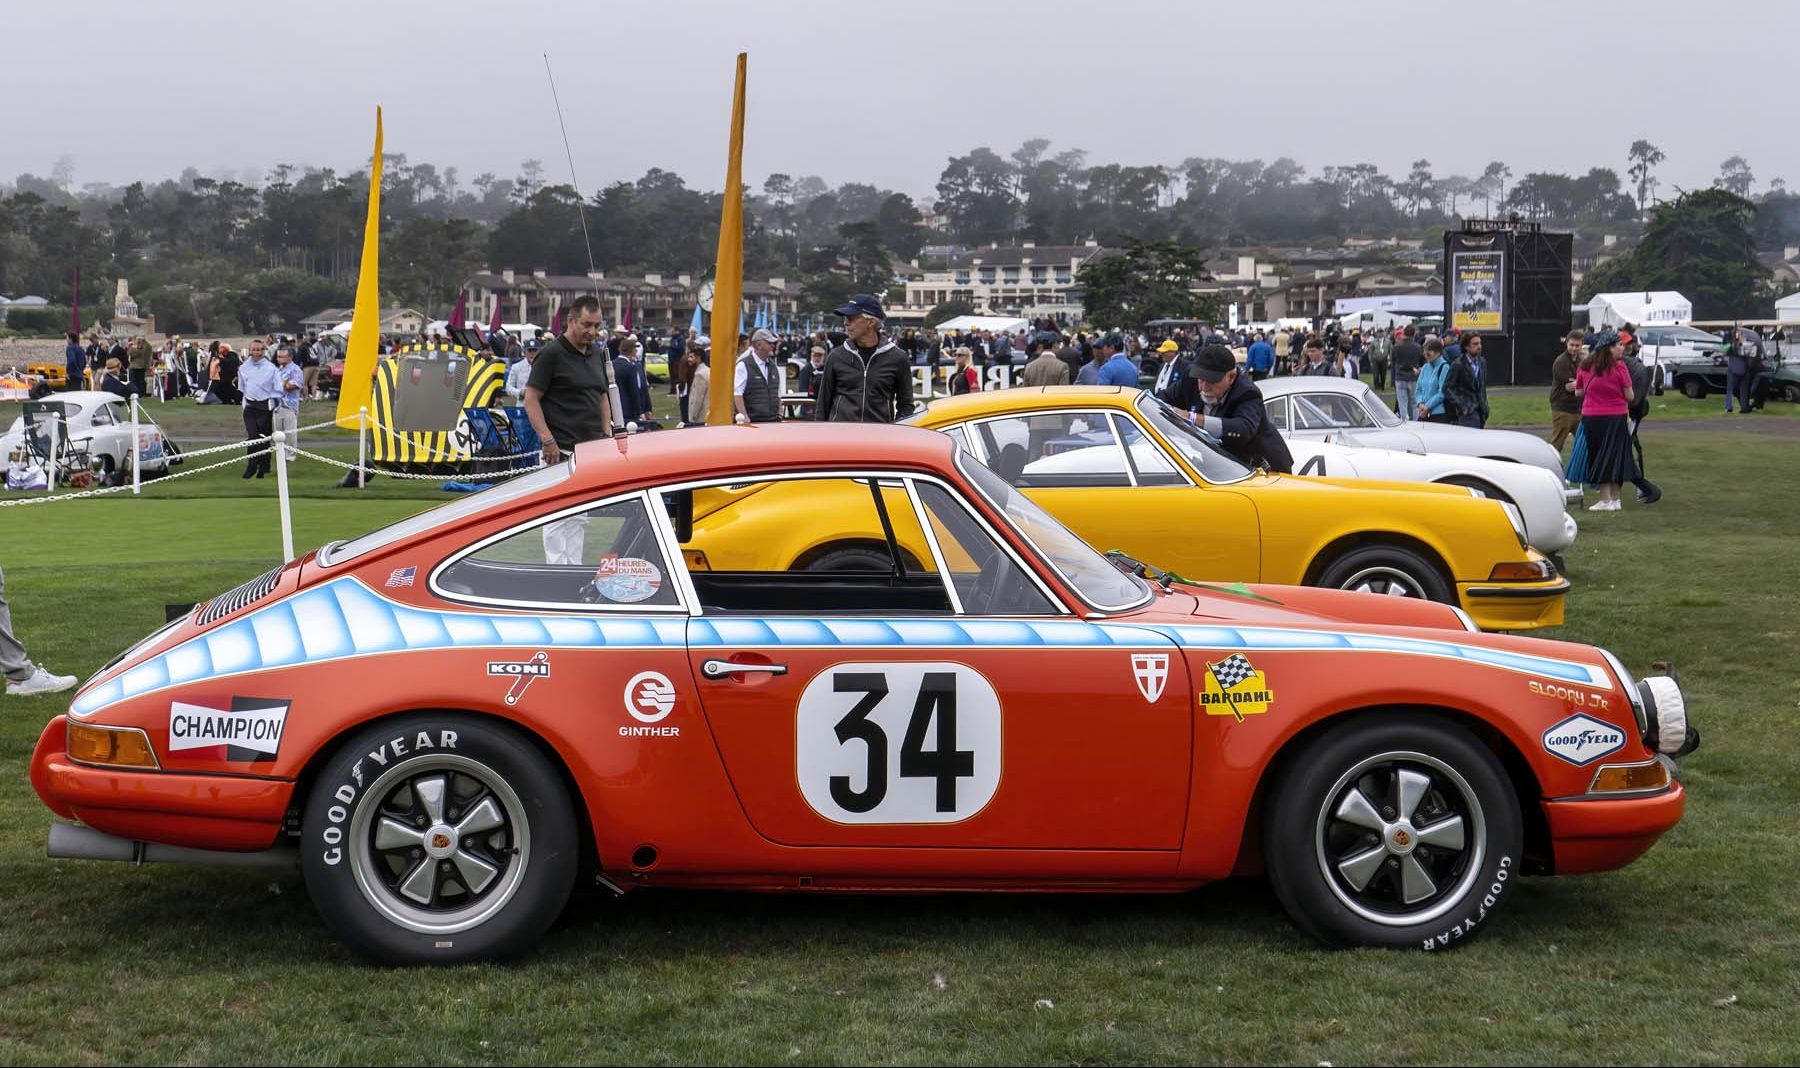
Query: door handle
718, 669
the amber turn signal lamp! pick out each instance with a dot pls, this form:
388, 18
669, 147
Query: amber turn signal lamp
1523, 571
118, 747
1630, 778
696, 560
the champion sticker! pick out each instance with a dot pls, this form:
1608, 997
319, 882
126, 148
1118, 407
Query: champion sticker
1151, 670
1581, 740
249, 731
626, 579
522, 672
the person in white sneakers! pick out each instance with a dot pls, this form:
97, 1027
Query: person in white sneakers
23, 678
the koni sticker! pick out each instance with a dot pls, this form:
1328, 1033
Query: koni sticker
248, 732
522, 672
1232, 687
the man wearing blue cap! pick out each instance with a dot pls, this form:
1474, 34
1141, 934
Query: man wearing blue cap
1118, 370
867, 378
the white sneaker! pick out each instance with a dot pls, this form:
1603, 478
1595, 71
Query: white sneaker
1600, 506
41, 681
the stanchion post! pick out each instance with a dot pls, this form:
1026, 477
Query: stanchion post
362, 447
281, 491
137, 450
55, 436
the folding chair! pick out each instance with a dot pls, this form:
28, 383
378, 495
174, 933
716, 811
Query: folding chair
47, 425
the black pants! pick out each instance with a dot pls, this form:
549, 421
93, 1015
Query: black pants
259, 422
1380, 374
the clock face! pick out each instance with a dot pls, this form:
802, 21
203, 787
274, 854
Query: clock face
706, 296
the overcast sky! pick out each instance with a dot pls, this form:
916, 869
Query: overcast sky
883, 92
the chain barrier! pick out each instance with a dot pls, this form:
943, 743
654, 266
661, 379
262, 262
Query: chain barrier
101, 491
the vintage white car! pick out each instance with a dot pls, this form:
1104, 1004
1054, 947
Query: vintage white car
1536, 493
1345, 409
100, 425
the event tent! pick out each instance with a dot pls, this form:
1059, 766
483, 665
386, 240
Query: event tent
1009, 323
1661, 306
1788, 307
1413, 304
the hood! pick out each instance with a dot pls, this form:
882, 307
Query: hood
1271, 606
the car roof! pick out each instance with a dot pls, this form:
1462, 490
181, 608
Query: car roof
1310, 384
972, 405
758, 448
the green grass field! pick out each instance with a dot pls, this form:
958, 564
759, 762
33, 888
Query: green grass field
1686, 957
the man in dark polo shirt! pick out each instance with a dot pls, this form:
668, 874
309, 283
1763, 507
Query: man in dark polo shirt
565, 396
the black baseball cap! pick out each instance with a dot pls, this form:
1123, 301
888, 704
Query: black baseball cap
1214, 363
1112, 341
863, 304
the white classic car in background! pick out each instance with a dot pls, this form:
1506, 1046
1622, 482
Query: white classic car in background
100, 424
1346, 409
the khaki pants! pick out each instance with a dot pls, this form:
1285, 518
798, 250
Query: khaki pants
287, 420
310, 375
1562, 427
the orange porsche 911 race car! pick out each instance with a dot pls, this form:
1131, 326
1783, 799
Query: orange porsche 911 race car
452, 720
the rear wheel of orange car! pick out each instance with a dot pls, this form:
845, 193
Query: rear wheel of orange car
1393, 830
434, 838
1389, 570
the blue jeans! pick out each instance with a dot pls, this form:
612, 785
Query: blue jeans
1403, 398
1733, 380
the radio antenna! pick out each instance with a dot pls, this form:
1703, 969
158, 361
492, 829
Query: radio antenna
612, 385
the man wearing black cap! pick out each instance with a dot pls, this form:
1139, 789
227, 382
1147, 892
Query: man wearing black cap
1231, 409
867, 378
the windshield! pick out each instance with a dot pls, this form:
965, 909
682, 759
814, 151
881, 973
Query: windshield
524, 485
1687, 335
1378, 408
1098, 582
1200, 449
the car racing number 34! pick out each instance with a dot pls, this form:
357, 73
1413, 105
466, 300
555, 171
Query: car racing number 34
898, 743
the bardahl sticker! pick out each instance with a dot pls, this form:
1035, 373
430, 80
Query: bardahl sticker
1232, 687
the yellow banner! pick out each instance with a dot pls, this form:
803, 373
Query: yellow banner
365, 321
728, 273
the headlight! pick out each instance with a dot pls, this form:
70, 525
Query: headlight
1630, 686
1518, 521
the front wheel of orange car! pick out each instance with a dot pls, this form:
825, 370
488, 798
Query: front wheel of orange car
1397, 830
438, 837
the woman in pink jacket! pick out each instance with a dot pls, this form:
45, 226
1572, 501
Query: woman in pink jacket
1604, 386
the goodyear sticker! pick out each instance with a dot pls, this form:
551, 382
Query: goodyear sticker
1232, 687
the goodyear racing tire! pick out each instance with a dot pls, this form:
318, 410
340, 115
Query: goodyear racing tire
438, 837
1396, 830
1393, 570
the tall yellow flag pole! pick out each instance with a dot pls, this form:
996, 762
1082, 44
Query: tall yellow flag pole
365, 321
728, 273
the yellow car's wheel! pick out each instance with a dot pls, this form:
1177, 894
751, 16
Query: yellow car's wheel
1389, 570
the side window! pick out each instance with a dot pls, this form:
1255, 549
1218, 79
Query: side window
1278, 411
1053, 449
103, 415
607, 557
1339, 410
1146, 457
988, 582
757, 548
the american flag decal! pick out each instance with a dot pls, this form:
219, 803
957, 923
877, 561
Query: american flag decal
402, 576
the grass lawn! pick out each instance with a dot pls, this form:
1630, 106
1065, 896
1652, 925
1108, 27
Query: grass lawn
1687, 956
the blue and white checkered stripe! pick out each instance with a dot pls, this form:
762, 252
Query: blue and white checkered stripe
344, 618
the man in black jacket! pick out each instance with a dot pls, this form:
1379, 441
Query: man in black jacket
868, 378
1232, 411
1465, 387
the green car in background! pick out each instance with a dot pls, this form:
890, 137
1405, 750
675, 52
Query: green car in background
1701, 374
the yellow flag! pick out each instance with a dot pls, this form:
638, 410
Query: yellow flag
728, 274
365, 321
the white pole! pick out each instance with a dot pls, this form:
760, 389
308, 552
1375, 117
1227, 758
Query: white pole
281, 491
362, 447
137, 450
55, 434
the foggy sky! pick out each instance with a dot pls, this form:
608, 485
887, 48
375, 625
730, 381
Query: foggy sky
883, 92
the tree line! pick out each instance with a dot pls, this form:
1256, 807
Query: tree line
208, 254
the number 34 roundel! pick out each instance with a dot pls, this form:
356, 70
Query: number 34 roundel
898, 743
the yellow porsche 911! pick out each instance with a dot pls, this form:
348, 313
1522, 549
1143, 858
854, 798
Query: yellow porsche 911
1127, 472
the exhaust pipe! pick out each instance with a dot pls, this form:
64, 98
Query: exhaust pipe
70, 841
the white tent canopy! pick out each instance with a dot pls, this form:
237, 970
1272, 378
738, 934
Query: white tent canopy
1373, 320
1008, 323
1660, 306
1788, 307
1400, 303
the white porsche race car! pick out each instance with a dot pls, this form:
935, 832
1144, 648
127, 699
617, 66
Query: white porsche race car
1536, 493
100, 425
